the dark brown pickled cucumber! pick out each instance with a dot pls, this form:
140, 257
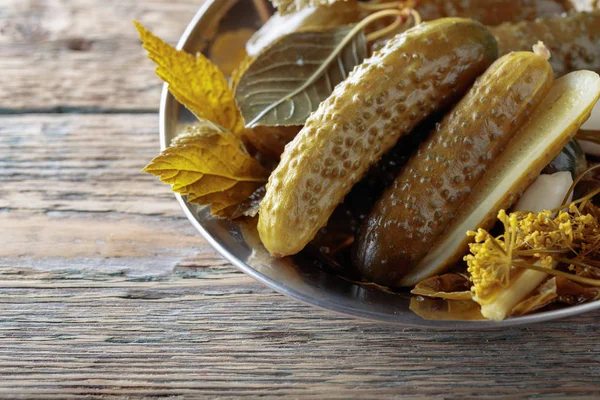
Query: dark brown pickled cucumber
415, 210
491, 12
414, 75
573, 40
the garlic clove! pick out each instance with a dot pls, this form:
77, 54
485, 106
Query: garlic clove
546, 192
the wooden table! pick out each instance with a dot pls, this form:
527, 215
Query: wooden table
106, 290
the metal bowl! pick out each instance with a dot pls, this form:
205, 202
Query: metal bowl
298, 278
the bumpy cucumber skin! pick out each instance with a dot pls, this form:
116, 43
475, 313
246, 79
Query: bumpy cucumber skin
491, 12
423, 200
520, 148
415, 74
573, 40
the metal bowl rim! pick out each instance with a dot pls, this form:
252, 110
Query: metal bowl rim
282, 288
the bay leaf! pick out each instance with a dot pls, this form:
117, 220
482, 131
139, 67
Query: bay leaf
289, 80
449, 286
445, 310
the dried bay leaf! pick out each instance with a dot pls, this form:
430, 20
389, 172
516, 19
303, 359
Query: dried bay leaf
194, 81
573, 293
556, 290
447, 286
209, 166
289, 80
445, 310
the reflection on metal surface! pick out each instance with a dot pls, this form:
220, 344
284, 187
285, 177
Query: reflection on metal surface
298, 277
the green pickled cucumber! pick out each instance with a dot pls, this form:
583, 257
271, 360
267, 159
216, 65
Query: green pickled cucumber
423, 200
417, 73
491, 12
553, 124
573, 40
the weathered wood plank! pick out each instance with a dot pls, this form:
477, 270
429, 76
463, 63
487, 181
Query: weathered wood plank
81, 163
73, 193
83, 55
217, 337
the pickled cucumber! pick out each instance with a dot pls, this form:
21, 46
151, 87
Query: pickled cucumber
554, 123
491, 12
573, 40
423, 200
417, 73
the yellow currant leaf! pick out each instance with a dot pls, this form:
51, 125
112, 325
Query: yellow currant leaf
194, 81
290, 6
207, 185
224, 204
209, 166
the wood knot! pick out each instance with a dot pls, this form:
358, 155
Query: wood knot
79, 44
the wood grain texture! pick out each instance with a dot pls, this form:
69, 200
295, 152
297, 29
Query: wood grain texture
222, 336
83, 55
107, 292
72, 184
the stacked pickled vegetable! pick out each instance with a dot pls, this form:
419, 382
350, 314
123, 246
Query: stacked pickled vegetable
390, 145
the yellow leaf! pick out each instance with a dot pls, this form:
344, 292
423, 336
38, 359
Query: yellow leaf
223, 204
195, 82
210, 167
205, 186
